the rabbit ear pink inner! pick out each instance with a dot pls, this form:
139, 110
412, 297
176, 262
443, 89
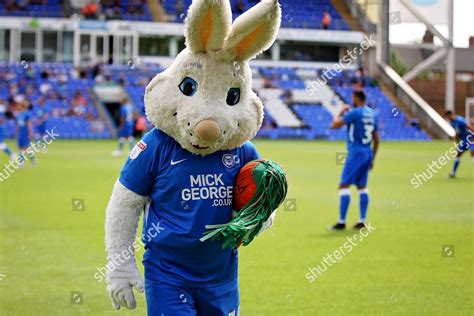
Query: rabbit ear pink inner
206, 28
207, 25
248, 41
254, 31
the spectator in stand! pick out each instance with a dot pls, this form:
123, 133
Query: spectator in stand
287, 96
89, 10
140, 126
22, 4
239, 7
267, 84
135, 7
78, 104
179, 7
10, 6
326, 21
45, 87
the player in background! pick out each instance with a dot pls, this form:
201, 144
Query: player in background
24, 131
41, 112
464, 133
362, 132
3, 146
126, 126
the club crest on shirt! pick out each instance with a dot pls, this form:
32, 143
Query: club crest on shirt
137, 150
230, 160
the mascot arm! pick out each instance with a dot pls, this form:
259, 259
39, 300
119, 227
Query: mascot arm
122, 216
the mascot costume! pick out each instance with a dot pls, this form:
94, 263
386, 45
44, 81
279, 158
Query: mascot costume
182, 173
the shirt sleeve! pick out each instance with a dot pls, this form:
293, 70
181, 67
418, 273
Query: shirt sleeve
376, 122
250, 152
138, 173
349, 117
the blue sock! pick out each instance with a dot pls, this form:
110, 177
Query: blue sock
457, 160
344, 201
21, 159
32, 157
363, 204
121, 143
6, 150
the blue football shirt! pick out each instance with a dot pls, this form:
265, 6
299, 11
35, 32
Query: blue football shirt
22, 120
460, 126
361, 123
42, 111
2, 122
126, 112
187, 193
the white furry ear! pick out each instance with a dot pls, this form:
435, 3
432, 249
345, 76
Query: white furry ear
254, 31
207, 25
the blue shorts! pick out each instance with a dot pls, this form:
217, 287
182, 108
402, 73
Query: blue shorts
23, 142
41, 129
166, 299
127, 130
465, 145
356, 169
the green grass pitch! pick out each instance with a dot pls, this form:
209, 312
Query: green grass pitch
49, 250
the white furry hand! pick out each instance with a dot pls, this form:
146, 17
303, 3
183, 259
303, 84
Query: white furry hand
120, 282
268, 223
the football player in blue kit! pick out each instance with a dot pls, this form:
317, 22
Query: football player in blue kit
3, 146
126, 126
41, 112
464, 138
24, 129
361, 122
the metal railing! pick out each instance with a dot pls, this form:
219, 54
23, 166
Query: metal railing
419, 108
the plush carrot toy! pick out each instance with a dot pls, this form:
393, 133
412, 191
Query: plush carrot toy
259, 190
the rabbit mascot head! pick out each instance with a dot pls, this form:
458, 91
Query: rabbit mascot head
204, 99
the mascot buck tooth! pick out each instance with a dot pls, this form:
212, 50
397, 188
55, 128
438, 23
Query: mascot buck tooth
181, 174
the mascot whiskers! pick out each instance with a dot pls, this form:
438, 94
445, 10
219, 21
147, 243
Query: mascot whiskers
180, 176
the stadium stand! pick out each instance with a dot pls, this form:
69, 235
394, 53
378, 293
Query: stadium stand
65, 91
44, 8
295, 13
291, 110
135, 10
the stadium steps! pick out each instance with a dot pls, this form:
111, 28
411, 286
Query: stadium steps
103, 113
279, 111
325, 96
346, 15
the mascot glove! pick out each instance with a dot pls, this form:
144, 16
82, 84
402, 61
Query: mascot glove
266, 225
120, 282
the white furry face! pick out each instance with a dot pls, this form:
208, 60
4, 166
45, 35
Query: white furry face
177, 114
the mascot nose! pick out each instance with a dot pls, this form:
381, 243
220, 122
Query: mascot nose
207, 130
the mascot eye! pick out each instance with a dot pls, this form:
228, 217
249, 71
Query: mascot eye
233, 96
188, 86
